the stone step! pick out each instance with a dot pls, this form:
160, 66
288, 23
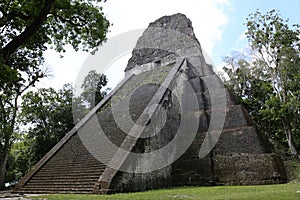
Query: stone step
54, 192
85, 162
71, 172
72, 163
64, 180
59, 189
61, 184
81, 187
65, 177
74, 159
79, 156
66, 184
72, 168
85, 180
66, 173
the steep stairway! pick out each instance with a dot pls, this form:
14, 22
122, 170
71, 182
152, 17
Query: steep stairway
72, 170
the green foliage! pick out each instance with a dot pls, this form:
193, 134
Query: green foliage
27, 29
48, 116
19, 160
250, 90
55, 22
266, 81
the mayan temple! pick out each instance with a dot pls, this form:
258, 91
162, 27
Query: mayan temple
170, 122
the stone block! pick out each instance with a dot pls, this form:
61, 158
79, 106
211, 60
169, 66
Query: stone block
235, 117
246, 169
241, 140
192, 172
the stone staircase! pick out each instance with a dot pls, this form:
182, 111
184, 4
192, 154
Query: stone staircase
72, 170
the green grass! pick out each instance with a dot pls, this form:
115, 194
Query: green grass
268, 192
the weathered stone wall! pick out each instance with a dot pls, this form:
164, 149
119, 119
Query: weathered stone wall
241, 156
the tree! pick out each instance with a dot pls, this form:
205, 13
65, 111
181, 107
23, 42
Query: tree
278, 49
48, 115
92, 85
245, 80
19, 159
27, 29
271, 76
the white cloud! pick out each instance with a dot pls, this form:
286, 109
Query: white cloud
242, 36
241, 42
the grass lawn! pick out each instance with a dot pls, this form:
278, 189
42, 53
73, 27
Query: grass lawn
268, 192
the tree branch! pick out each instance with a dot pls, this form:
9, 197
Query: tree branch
32, 82
13, 45
58, 17
10, 16
64, 20
3, 113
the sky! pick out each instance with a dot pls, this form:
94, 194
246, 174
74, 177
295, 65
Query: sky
218, 25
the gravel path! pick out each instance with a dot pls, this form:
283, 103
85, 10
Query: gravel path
8, 195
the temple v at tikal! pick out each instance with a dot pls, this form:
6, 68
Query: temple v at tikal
170, 122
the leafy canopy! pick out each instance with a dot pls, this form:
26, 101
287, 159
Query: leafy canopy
266, 79
92, 86
28, 28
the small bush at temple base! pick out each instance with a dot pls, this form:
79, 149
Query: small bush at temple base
293, 171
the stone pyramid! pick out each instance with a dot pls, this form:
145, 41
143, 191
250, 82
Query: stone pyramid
170, 122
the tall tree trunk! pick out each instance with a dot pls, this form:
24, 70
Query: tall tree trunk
7, 132
287, 125
3, 161
289, 138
